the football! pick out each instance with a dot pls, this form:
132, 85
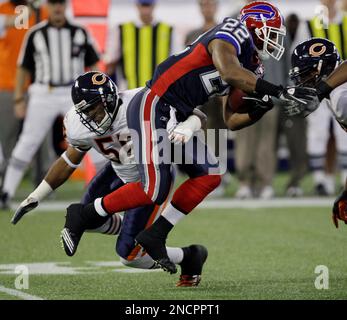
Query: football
236, 101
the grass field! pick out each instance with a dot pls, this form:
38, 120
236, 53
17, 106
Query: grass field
253, 254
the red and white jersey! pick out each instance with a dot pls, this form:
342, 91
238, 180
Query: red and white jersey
115, 145
338, 104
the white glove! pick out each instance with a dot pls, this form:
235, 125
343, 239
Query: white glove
27, 205
182, 133
32, 201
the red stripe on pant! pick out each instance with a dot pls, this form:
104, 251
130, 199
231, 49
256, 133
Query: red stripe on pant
151, 178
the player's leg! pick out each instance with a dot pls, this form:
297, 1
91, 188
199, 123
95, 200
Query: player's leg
191, 259
204, 177
38, 121
105, 181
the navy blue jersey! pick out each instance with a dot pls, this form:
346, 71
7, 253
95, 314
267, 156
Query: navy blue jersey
187, 79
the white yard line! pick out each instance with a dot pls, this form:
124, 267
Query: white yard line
19, 294
219, 203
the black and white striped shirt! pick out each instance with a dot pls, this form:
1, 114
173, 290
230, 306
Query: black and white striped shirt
56, 56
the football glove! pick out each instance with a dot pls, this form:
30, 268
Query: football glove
182, 133
27, 205
301, 95
264, 102
340, 209
299, 101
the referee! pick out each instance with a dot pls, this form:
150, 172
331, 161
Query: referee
138, 47
53, 54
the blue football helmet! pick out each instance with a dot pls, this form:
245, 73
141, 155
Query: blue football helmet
96, 90
313, 60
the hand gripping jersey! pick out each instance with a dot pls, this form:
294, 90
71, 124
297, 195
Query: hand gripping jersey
115, 145
188, 79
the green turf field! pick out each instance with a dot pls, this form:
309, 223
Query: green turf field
253, 254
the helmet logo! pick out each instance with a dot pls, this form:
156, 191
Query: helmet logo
100, 81
258, 12
317, 49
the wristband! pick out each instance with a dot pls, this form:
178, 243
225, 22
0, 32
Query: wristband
267, 88
42, 191
323, 90
68, 161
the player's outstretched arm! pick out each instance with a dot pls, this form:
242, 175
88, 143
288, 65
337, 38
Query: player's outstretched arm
225, 59
58, 173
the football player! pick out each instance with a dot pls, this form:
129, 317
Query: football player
99, 102
316, 63
226, 55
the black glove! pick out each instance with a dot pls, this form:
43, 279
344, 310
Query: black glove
340, 209
258, 105
301, 95
299, 101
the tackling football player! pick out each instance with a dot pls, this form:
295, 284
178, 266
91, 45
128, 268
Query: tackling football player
108, 133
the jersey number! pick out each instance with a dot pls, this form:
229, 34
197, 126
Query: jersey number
235, 28
213, 83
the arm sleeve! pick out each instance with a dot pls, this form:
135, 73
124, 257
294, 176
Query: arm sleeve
92, 55
26, 55
72, 138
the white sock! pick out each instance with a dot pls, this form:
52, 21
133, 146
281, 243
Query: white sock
319, 177
172, 215
175, 254
99, 208
13, 177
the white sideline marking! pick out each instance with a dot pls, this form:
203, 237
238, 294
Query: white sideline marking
19, 294
217, 204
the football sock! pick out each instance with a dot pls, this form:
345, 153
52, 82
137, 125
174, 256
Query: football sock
111, 226
127, 197
189, 194
91, 219
171, 214
175, 254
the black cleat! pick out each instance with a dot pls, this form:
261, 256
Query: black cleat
191, 266
73, 229
155, 247
4, 201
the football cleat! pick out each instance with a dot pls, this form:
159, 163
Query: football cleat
155, 247
191, 266
73, 229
